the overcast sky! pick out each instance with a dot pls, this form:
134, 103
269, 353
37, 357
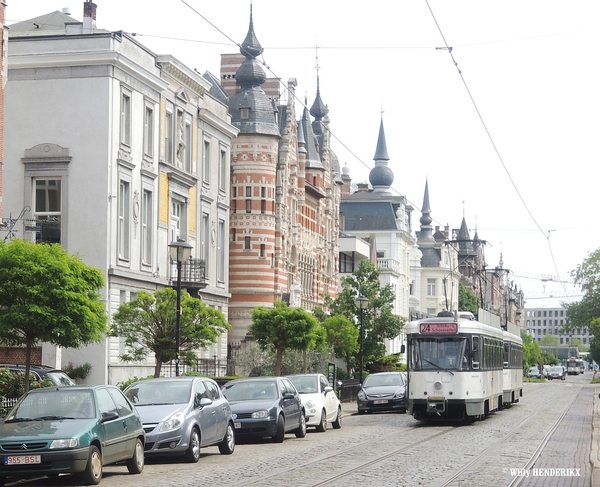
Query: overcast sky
505, 126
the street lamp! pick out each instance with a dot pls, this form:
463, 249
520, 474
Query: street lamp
361, 303
179, 251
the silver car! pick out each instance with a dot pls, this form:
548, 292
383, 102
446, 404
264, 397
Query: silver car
180, 415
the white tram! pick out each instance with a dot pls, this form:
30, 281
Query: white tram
456, 368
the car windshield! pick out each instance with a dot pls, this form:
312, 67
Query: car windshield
251, 391
305, 384
376, 380
53, 405
60, 379
147, 393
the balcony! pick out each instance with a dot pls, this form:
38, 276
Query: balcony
193, 274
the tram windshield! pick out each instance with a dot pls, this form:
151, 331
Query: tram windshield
440, 353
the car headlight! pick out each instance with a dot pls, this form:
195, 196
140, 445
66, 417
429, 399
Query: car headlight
66, 443
172, 423
260, 414
362, 396
399, 394
310, 404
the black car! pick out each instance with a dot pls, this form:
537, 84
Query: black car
265, 407
56, 376
556, 372
383, 391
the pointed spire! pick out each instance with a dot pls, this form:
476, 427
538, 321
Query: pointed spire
381, 176
251, 48
426, 218
318, 108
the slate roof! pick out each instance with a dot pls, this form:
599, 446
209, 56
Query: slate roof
53, 23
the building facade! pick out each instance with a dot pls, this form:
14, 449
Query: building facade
540, 322
132, 152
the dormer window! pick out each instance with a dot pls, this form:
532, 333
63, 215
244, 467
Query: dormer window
244, 113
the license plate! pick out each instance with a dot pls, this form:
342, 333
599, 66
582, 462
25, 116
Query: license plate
237, 425
23, 460
380, 401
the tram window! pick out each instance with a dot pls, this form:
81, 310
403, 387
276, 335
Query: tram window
475, 354
506, 354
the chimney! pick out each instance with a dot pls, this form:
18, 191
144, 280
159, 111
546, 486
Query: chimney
66, 11
89, 16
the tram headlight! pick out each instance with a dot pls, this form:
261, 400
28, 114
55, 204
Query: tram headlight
437, 385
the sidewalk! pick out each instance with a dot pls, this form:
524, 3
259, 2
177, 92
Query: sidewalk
595, 453
350, 408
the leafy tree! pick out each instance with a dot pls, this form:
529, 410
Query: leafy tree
149, 325
586, 312
284, 328
467, 299
47, 295
342, 335
549, 341
378, 320
532, 354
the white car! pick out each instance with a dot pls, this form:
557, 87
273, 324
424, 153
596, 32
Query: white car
320, 402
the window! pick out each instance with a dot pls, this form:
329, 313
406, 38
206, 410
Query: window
169, 137
205, 250
247, 243
149, 132
263, 201
244, 113
125, 130
206, 162
176, 218
248, 199
262, 250
187, 137
221, 252
124, 220
47, 204
223, 171
430, 287
146, 227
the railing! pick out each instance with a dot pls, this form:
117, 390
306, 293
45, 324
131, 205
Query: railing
193, 271
206, 366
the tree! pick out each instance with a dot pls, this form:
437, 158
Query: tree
586, 313
283, 328
149, 325
549, 341
532, 354
467, 299
47, 295
379, 321
342, 335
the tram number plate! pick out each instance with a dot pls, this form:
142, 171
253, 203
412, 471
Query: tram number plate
380, 401
237, 425
22, 460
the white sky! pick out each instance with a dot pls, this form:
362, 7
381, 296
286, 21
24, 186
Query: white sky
524, 114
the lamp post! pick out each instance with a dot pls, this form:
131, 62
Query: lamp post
361, 303
179, 251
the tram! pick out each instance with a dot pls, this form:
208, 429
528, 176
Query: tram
461, 369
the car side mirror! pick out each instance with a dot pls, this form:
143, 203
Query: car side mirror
327, 389
288, 395
109, 416
205, 401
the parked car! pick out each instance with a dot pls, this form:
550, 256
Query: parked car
321, 405
546, 371
383, 391
556, 372
534, 372
183, 414
265, 407
76, 429
57, 376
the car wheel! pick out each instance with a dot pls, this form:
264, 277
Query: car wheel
280, 434
362, 411
136, 463
192, 454
227, 445
93, 470
322, 426
301, 431
337, 424
2, 481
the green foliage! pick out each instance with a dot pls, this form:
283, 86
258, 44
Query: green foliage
378, 320
549, 341
467, 299
389, 363
46, 295
342, 335
532, 354
79, 371
284, 328
126, 383
12, 385
149, 324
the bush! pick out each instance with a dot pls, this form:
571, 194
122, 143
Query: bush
126, 383
79, 372
12, 385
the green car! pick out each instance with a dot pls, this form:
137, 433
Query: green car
76, 429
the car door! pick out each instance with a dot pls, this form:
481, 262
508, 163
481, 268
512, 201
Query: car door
328, 399
113, 427
221, 407
292, 406
205, 415
131, 421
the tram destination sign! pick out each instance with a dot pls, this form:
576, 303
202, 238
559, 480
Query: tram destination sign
438, 328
